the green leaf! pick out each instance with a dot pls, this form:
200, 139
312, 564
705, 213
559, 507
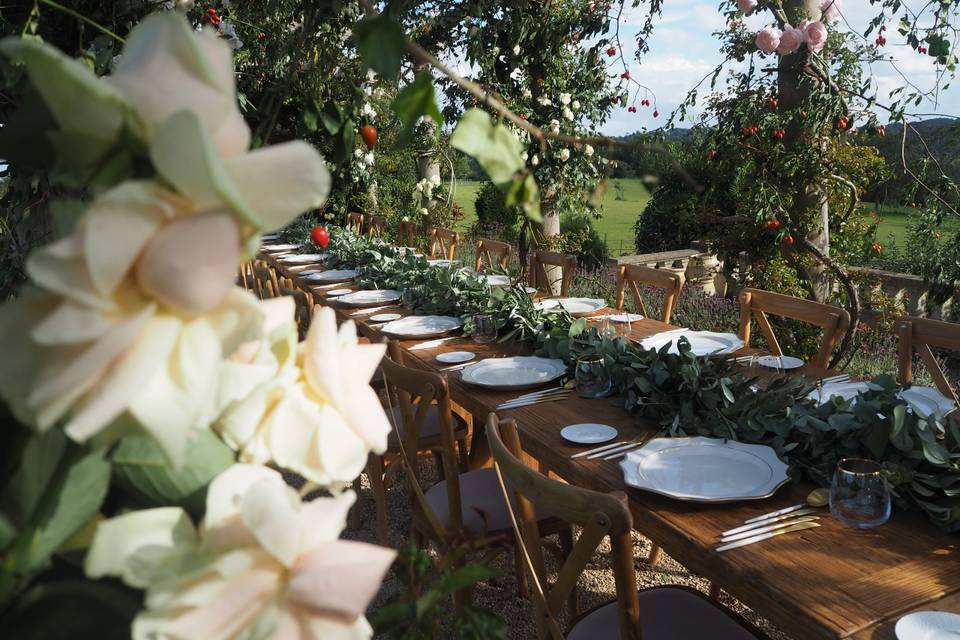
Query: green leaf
23, 139
72, 609
65, 214
141, 468
380, 41
40, 458
415, 100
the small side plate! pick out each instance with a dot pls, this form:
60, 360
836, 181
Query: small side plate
385, 317
587, 433
338, 292
773, 362
454, 357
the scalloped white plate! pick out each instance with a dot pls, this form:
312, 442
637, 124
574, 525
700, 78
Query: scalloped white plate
588, 433
576, 307
421, 326
702, 343
456, 357
705, 469
928, 625
370, 298
303, 258
276, 248
333, 275
517, 372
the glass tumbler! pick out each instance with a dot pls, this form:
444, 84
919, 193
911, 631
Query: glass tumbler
858, 495
593, 379
484, 328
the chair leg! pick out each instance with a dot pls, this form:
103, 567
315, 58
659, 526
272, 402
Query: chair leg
463, 454
655, 553
438, 459
566, 546
520, 569
379, 490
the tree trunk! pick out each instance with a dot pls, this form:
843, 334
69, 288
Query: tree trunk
791, 95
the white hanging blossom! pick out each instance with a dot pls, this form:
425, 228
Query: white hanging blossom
555, 126
516, 49
535, 160
588, 151
565, 98
564, 154
545, 101
567, 113
575, 105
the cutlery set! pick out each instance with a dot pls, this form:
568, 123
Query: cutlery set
536, 397
613, 451
798, 517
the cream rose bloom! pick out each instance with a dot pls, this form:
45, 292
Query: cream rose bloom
128, 320
174, 89
262, 563
315, 413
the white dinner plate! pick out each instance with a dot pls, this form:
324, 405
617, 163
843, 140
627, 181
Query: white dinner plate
337, 292
443, 263
279, 248
928, 625
421, 326
625, 317
705, 469
269, 236
927, 401
495, 280
454, 357
332, 275
587, 433
370, 298
782, 362
576, 307
385, 317
845, 390
303, 258
517, 372
702, 343
530, 290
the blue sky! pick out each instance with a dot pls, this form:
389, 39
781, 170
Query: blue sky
683, 50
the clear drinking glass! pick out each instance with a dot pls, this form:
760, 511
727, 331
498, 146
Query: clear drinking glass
607, 329
858, 495
593, 379
624, 327
484, 328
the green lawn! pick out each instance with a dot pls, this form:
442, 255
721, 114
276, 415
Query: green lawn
616, 225
895, 219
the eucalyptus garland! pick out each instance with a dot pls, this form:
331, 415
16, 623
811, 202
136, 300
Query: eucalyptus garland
689, 395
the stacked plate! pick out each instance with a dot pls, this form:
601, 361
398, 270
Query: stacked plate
576, 307
369, 298
497, 280
331, 276
518, 372
443, 263
702, 343
279, 248
705, 469
303, 258
421, 326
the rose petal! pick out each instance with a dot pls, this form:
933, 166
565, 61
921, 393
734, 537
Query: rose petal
271, 511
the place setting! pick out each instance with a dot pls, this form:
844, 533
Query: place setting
369, 298
702, 343
331, 276
576, 307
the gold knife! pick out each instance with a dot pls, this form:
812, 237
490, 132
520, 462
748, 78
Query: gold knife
768, 521
767, 528
766, 536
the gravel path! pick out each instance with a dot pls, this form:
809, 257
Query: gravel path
500, 594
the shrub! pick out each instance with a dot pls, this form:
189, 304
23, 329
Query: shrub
492, 210
579, 238
669, 221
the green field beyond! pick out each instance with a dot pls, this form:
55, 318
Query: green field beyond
619, 215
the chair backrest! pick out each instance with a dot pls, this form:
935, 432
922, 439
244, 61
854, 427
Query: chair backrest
303, 306
634, 275
411, 393
408, 233
599, 514
267, 279
545, 279
443, 243
355, 222
377, 227
755, 304
919, 334
494, 253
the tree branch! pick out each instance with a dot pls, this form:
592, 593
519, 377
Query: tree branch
853, 296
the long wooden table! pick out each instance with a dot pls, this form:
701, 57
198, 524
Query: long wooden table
830, 582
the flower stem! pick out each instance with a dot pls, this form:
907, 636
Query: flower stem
83, 18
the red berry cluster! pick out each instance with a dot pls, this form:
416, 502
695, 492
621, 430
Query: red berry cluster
772, 103
210, 15
922, 49
788, 240
842, 122
612, 51
632, 109
778, 134
625, 75
881, 40
656, 114
645, 103
882, 130
876, 248
712, 153
614, 99
749, 131
261, 35
773, 224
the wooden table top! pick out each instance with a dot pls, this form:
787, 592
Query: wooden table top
830, 582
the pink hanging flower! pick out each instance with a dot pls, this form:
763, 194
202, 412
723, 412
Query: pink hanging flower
831, 10
746, 6
790, 41
815, 34
768, 39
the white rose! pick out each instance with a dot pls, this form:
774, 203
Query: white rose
260, 548
575, 105
564, 154
368, 111
523, 156
435, 179
545, 101
555, 126
565, 98
535, 160
424, 211
495, 51
588, 150
567, 113
527, 93
516, 49
358, 153
368, 159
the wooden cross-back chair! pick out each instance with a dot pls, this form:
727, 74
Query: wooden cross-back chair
540, 277
465, 503
755, 304
355, 222
653, 613
407, 230
377, 227
266, 278
919, 335
493, 253
635, 275
443, 243
303, 306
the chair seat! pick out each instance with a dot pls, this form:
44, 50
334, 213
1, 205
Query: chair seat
481, 500
667, 613
429, 429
